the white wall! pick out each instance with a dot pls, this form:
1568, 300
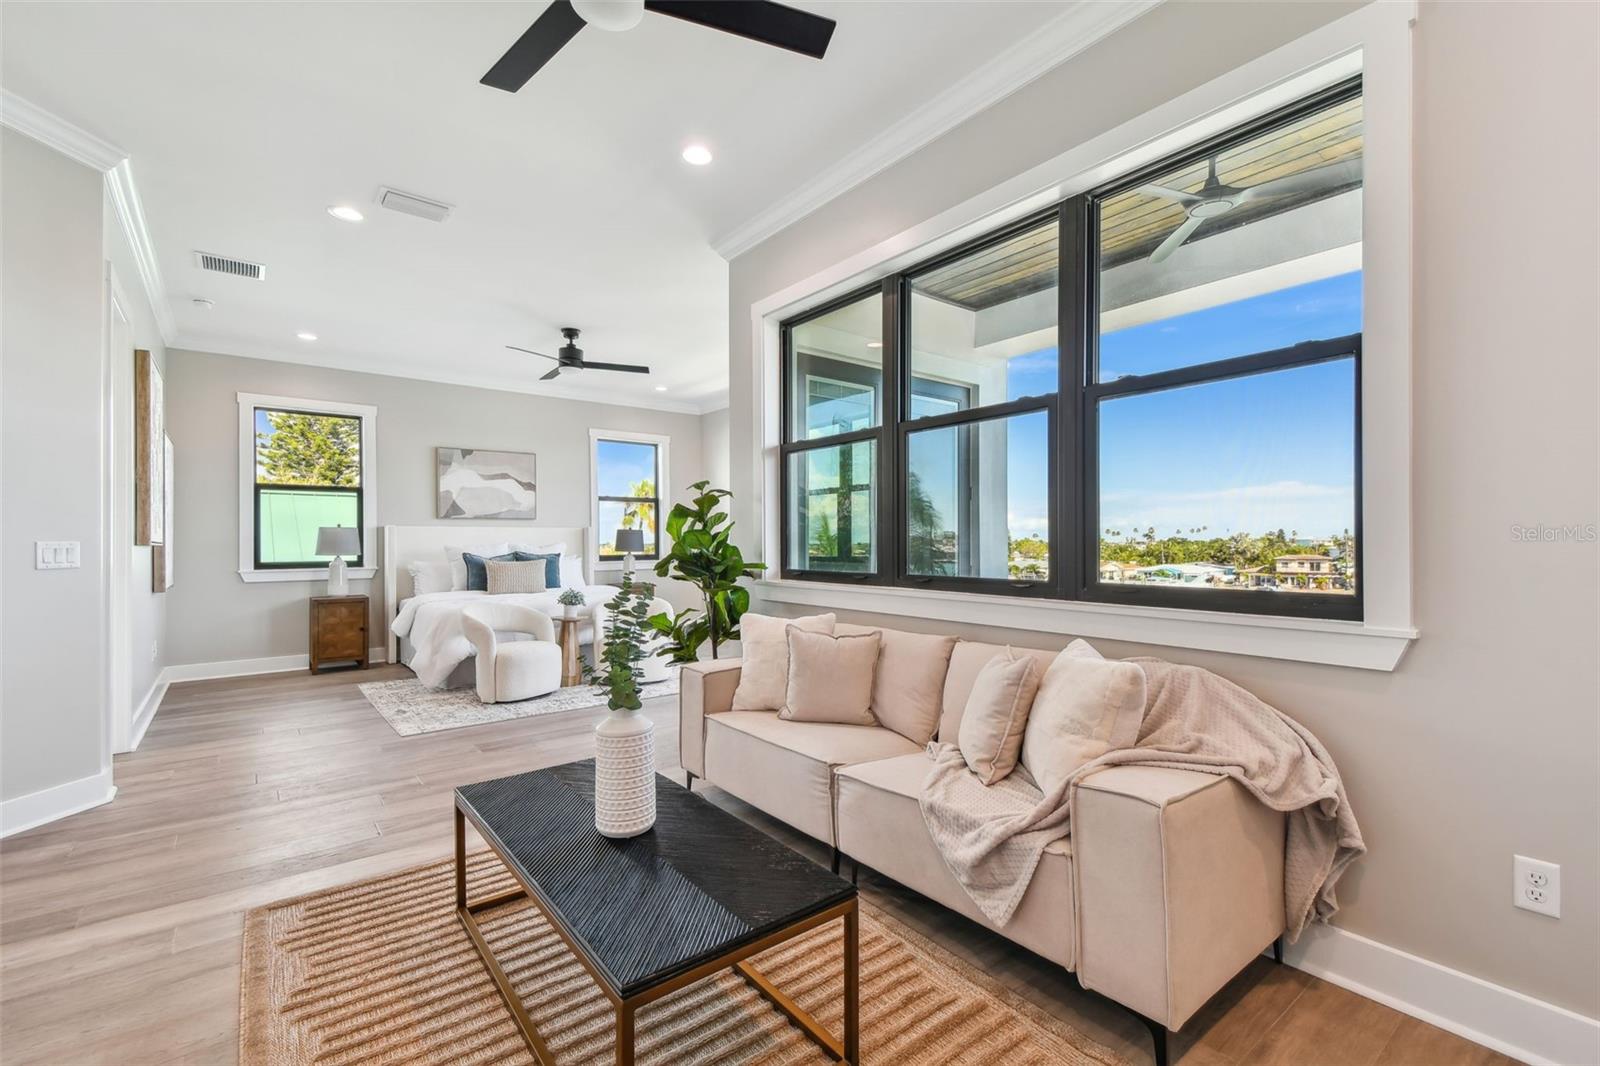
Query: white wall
52, 635
214, 616
1484, 741
714, 447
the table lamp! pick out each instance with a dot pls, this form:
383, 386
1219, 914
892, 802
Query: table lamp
338, 541
629, 541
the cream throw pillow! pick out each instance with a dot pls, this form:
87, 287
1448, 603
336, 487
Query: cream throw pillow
830, 678
1087, 705
515, 577
997, 714
909, 686
764, 673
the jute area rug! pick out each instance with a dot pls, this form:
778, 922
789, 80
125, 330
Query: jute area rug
382, 972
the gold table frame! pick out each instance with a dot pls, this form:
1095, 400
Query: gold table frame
847, 1050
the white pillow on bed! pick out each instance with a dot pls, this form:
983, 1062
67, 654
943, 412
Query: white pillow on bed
458, 565
572, 572
429, 577
540, 549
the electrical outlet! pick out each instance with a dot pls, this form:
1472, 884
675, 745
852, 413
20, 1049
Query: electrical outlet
155, 651
1536, 885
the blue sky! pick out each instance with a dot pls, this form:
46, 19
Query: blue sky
1252, 454
621, 463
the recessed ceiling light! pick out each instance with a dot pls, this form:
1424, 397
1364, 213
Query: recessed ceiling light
306, 336
697, 155
874, 344
661, 388
345, 213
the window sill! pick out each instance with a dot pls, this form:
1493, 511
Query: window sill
309, 573
1353, 644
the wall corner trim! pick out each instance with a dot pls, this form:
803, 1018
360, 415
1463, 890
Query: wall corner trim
48, 804
1083, 24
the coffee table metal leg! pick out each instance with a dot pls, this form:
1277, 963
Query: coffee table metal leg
461, 861
625, 1034
852, 984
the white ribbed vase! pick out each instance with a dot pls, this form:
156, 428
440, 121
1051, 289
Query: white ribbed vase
624, 774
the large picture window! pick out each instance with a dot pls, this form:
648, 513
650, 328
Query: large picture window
308, 474
1149, 395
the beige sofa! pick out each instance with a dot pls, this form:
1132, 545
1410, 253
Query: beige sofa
1171, 882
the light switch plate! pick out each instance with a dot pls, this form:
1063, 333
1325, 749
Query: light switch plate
56, 555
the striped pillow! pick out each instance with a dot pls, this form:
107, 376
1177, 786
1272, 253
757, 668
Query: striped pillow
514, 577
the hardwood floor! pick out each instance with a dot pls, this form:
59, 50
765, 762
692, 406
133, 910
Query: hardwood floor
120, 927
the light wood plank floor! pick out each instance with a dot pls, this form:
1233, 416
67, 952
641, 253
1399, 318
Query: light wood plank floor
120, 927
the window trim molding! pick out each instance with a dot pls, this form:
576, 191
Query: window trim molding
1373, 42
248, 402
663, 443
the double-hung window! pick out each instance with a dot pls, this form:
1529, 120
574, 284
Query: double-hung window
1147, 395
304, 465
629, 469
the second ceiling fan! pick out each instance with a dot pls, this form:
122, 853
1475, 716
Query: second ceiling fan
759, 20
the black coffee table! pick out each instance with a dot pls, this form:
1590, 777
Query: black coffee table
700, 892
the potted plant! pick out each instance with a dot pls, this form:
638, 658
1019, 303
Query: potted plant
703, 554
570, 600
624, 741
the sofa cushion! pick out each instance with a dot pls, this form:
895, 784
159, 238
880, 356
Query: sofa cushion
997, 713
786, 768
880, 826
1086, 706
830, 678
764, 644
910, 682
966, 660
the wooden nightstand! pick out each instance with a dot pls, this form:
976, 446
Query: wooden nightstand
338, 631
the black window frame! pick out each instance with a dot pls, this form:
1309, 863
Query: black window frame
653, 501
1072, 413
360, 490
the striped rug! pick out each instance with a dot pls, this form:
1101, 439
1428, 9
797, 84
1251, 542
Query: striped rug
382, 972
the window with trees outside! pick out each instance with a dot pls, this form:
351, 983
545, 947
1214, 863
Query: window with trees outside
1149, 394
627, 473
308, 474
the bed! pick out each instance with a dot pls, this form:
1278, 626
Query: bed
423, 630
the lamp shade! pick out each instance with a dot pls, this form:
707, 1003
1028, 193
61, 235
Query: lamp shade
629, 540
338, 540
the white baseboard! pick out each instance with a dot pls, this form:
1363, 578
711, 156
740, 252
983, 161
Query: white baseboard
147, 711
1492, 1015
48, 804
272, 664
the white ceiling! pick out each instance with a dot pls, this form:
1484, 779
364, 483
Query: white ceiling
244, 121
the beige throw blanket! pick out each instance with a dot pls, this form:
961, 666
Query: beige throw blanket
991, 838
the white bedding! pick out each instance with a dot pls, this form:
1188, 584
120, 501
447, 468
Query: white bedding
431, 623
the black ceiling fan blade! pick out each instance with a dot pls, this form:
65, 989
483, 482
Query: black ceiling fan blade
552, 375
537, 45
530, 351
626, 367
759, 20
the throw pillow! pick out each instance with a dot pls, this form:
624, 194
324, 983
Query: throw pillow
572, 572
830, 678
429, 577
909, 686
1086, 706
515, 577
997, 713
477, 573
552, 566
764, 671
454, 554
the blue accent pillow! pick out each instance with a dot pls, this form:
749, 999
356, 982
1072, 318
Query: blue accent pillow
478, 573
552, 568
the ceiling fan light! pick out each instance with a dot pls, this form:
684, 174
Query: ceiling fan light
614, 15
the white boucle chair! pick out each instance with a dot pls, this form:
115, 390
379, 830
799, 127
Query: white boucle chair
510, 670
652, 667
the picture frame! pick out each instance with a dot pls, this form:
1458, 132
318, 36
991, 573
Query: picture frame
478, 483
161, 558
149, 435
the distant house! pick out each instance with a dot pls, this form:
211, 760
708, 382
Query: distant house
1306, 571
1114, 571
1183, 574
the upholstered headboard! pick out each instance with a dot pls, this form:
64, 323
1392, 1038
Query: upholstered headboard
404, 545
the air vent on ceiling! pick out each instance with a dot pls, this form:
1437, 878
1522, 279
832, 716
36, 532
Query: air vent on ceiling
410, 204
239, 268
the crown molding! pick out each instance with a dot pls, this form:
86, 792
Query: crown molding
1084, 23
80, 145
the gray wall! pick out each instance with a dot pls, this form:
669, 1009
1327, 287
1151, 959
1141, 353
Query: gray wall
52, 634
714, 444
1483, 742
214, 616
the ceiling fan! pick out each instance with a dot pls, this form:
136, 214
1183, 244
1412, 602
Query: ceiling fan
570, 357
1216, 199
759, 20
